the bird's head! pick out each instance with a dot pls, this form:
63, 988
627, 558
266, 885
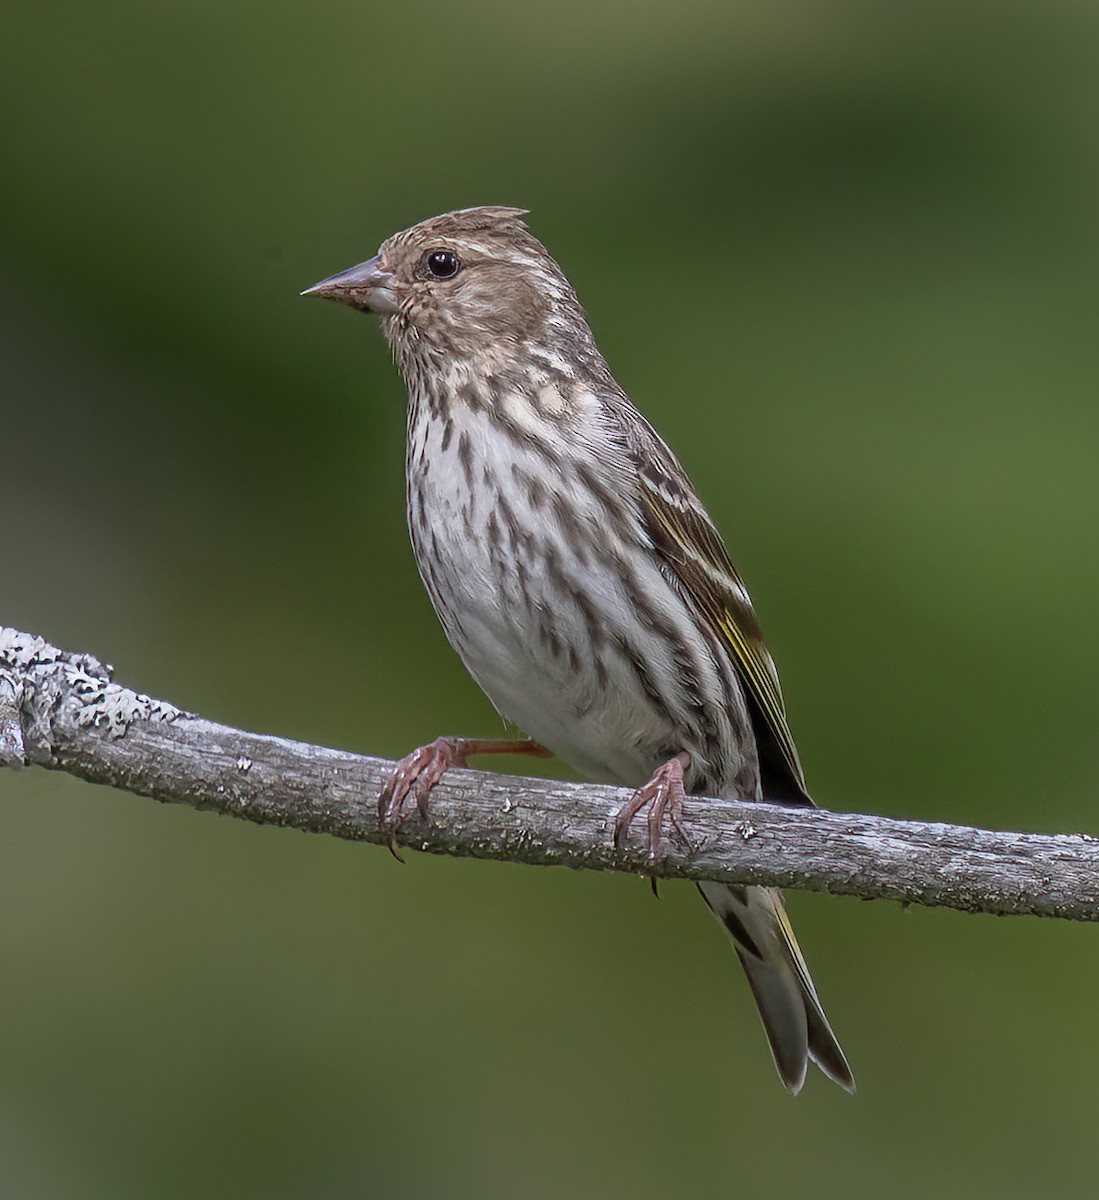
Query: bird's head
459, 284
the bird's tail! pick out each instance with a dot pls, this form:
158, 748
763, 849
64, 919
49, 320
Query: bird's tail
792, 1014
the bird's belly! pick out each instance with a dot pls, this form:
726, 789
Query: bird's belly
529, 645
590, 714
542, 673
545, 620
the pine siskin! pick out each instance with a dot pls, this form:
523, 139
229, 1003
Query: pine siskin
576, 572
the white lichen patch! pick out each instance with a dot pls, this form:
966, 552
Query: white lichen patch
99, 703
23, 650
105, 705
12, 750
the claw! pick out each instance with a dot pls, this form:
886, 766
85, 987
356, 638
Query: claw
664, 794
417, 773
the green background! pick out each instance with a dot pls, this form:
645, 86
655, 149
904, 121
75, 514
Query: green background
844, 255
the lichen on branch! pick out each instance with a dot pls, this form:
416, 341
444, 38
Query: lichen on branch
64, 711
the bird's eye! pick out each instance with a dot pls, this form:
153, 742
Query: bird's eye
442, 264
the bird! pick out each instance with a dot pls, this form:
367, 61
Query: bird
577, 573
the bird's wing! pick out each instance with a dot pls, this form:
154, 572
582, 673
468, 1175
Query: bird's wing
692, 548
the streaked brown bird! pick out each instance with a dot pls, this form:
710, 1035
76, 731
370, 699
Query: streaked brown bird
577, 573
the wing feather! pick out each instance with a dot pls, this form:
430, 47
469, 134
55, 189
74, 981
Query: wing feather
691, 546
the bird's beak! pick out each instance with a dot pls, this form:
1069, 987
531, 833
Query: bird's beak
366, 287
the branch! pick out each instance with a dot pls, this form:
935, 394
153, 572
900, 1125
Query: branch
63, 712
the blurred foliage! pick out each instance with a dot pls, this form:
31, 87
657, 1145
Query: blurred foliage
843, 254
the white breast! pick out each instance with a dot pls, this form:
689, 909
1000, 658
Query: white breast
537, 604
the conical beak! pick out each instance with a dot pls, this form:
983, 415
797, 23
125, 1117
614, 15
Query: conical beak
366, 287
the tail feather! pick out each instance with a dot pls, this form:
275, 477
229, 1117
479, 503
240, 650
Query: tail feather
780, 1005
793, 1018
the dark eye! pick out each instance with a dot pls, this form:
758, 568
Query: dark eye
442, 264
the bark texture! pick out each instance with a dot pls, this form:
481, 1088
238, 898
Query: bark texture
63, 711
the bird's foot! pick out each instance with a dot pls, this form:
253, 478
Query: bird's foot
417, 773
664, 795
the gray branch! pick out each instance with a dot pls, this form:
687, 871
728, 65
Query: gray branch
62, 711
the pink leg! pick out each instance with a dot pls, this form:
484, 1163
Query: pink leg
417, 773
664, 794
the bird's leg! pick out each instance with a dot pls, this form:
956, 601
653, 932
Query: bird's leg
417, 773
664, 794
